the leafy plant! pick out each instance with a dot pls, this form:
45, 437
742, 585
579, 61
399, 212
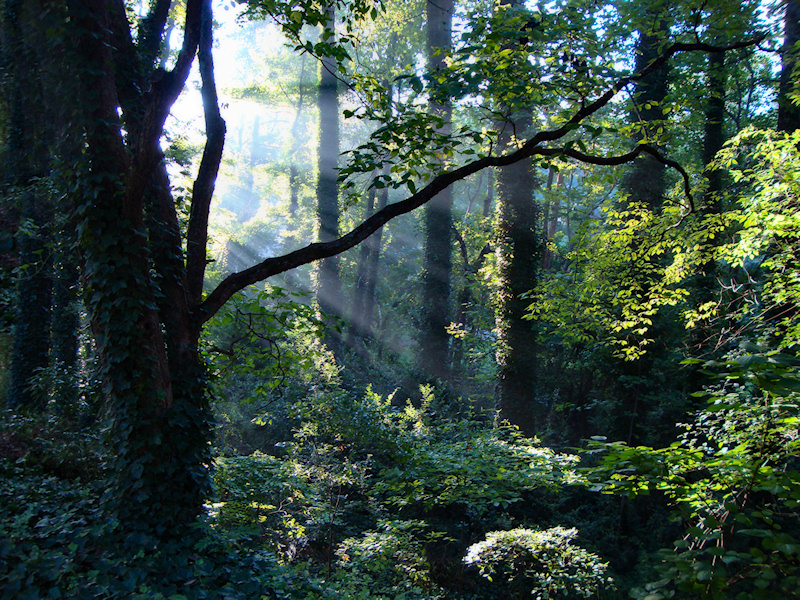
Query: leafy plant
390, 560
733, 481
472, 466
540, 564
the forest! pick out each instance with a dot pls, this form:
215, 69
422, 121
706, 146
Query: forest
399, 299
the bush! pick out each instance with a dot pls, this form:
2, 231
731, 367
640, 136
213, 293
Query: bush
733, 481
540, 564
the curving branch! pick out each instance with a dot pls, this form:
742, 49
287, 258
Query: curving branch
533, 147
610, 161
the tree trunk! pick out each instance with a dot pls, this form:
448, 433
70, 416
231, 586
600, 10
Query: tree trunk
519, 252
329, 293
788, 110
434, 355
362, 316
147, 341
645, 181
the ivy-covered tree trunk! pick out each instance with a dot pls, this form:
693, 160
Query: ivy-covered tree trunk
518, 248
434, 356
139, 296
519, 252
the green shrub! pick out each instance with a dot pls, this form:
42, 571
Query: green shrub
733, 481
389, 561
538, 564
471, 465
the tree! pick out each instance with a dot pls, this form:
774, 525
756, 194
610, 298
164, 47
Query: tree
645, 181
27, 151
434, 353
144, 295
519, 252
329, 292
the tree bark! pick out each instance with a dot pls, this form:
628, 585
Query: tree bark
788, 110
329, 291
434, 341
645, 180
519, 252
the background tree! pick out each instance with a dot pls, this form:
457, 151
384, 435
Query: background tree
329, 292
27, 152
519, 252
434, 342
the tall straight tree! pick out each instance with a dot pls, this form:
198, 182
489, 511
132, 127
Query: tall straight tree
519, 251
27, 144
788, 109
434, 355
645, 181
364, 301
706, 286
329, 287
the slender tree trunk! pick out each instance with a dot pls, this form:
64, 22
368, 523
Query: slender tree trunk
489, 200
371, 275
329, 293
551, 215
788, 110
357, 325
296, 143
362, 316
434, 355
